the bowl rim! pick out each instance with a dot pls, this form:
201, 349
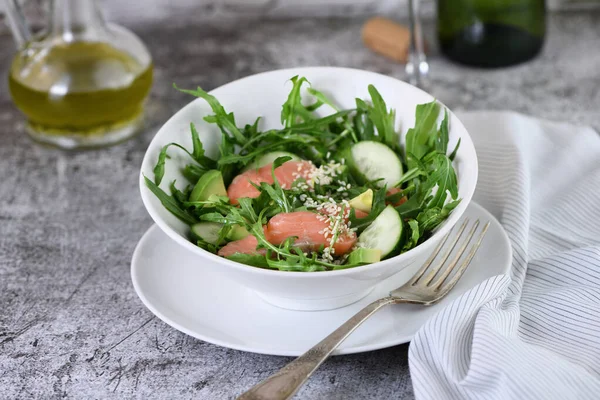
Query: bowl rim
380, 265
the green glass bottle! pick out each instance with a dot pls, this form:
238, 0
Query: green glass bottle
491, 33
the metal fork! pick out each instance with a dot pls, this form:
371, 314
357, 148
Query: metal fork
428, 286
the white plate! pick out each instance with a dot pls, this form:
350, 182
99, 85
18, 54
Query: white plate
208, 306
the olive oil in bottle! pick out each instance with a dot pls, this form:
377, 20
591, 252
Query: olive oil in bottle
82, 87
83, 82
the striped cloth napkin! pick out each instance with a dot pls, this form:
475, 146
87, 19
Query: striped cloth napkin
536, 333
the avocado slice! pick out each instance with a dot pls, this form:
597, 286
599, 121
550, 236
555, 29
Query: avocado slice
237, 232
364, 256
363, 201
211, 183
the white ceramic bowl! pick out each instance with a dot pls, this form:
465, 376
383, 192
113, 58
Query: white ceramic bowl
263, 95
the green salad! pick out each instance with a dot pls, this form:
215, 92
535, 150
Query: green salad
319, 193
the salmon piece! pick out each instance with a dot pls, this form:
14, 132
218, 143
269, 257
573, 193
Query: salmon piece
360, 214
286, 174
392, 191
241, 186
246, 245
309, 229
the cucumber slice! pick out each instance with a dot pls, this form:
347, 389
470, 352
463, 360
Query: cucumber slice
209, 184
269, 158
364, 256
370, 160
385, 233
207, 231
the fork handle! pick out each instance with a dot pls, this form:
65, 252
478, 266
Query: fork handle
286, 382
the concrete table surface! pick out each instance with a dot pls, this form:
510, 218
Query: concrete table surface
71, 325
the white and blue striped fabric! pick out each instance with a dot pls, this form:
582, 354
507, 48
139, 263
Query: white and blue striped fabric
536, 333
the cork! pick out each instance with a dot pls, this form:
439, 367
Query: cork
387, 38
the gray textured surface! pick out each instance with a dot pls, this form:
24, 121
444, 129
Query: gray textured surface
70, 322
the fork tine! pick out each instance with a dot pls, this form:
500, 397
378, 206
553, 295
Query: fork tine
448, 286
456, 258
427, 263
437, 268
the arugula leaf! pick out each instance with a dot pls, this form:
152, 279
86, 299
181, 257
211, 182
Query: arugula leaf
415, 203
444, 177
394, 198
178, 195
220, 218
290, 107
410, 175
213, 202
383, 120
453, 154
228, 170
279, 198
193, 172
159, 168
275, 191
304, 140
254, 260
207, 246
247, 212
322, 98
441, 144
430, 218
347, 266
420, 139
303, 113
224, 120
314, 106
448, 207
279, 161
415, 235
377, 207
170, 203
363, 125
250, 131
314, 125
198, 150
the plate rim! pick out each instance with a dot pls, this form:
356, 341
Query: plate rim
134, 269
